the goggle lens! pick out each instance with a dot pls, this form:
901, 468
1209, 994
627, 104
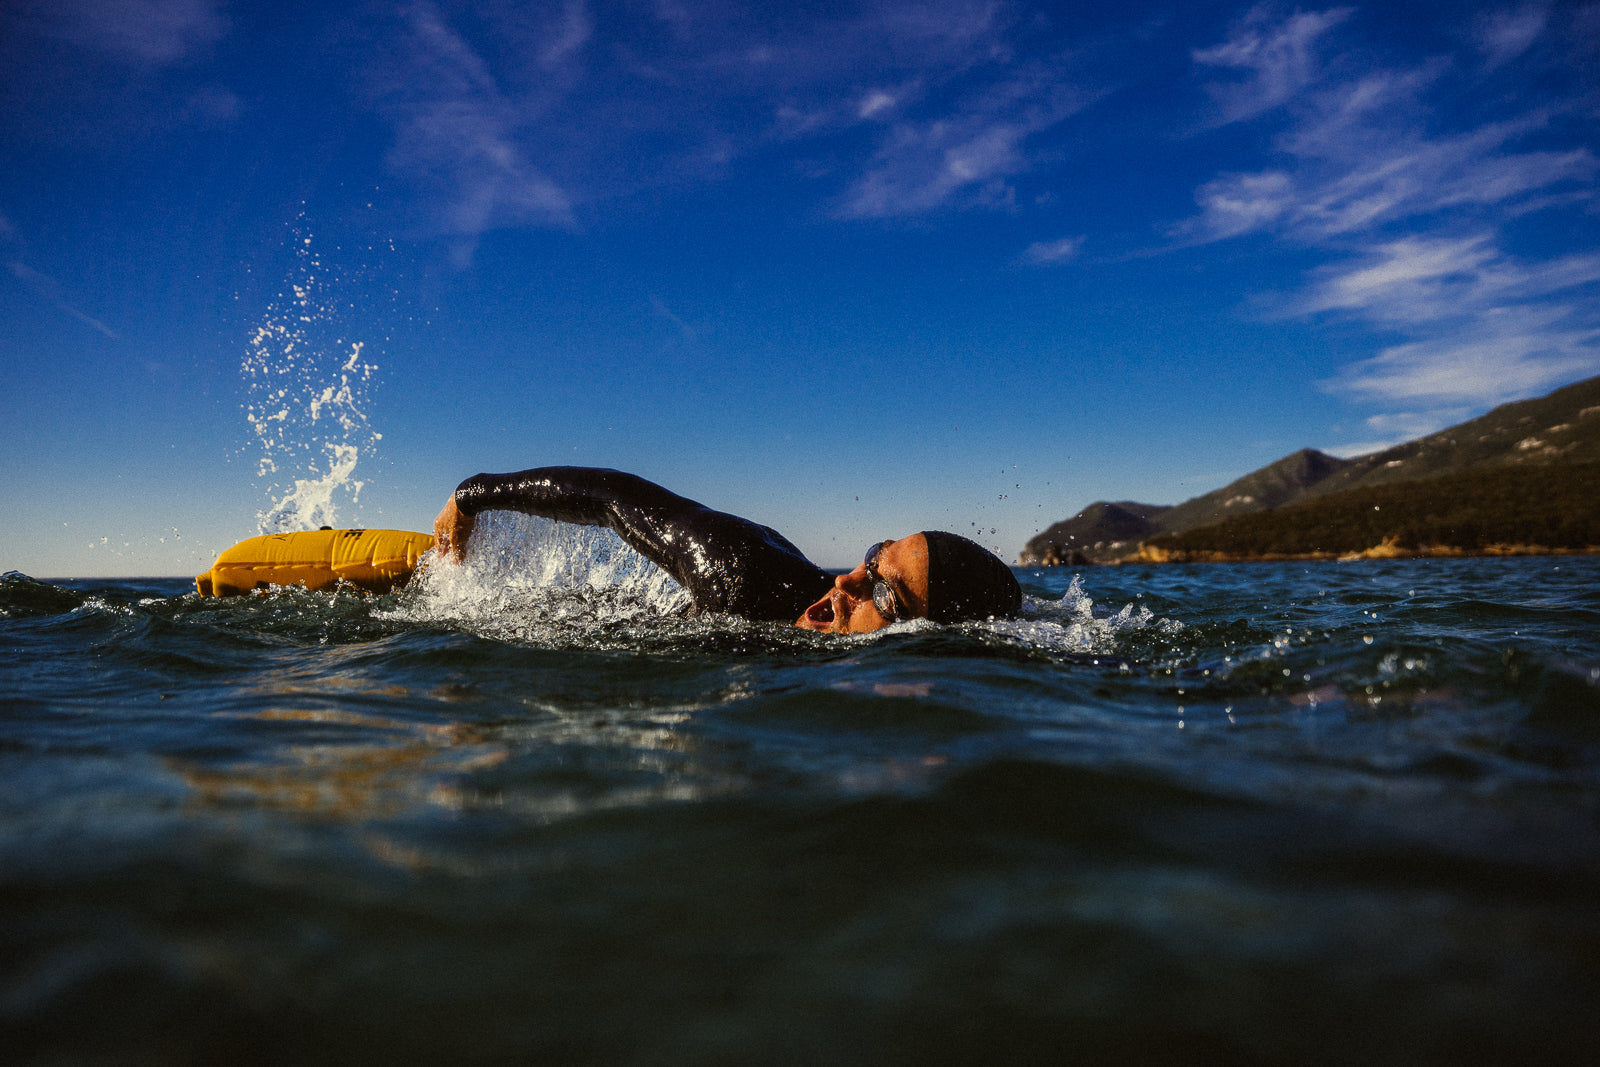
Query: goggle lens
883, 597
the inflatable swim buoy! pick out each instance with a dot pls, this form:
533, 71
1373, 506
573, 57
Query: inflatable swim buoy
374, 560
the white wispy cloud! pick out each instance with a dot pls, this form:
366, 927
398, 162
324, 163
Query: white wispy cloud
1042, 253
953, 107
50, 290
1394, 428
1435, 279
908, 107
141, 32
875, 103
1490, 327
1502, 354
483, 123
1413, 279
1232, 205
922, 167
684, 330
457, 133
572, 33
1412, 214
963, 154
1345, 176
1275, 58
1504, 35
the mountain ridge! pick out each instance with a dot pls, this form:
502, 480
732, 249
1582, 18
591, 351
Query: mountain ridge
1558, 429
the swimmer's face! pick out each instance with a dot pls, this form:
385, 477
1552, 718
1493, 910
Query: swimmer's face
848, 607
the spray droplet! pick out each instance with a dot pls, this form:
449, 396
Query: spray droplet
307, 400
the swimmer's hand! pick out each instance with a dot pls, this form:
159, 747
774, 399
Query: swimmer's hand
451, 530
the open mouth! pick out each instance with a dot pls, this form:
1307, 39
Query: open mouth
821, 613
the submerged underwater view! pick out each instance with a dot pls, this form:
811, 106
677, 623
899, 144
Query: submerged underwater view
523, 811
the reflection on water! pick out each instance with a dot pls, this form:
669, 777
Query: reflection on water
351, 767
361, 780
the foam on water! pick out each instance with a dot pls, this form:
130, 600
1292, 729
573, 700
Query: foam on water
1070, 624
524, 575
307, 395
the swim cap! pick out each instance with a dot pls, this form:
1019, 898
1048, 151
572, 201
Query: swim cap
967, 581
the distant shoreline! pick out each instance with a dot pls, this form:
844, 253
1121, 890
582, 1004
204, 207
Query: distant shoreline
1384, 550
1521, 480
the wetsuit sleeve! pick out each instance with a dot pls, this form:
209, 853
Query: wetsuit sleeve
727, 564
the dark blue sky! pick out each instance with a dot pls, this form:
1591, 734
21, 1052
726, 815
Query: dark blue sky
851, 270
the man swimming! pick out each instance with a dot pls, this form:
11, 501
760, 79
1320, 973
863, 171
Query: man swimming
732, 565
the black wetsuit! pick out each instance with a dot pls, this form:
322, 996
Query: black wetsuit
726, 563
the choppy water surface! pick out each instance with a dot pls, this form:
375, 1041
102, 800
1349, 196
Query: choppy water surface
1309, 813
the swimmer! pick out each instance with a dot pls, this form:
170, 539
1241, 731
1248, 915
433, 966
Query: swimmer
735, 566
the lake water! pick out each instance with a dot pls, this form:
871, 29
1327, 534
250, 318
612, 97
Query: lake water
1274, 813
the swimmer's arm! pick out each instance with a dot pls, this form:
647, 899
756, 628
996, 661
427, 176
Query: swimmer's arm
725, 562
643, 513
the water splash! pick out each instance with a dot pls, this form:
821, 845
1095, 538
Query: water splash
1072, 625
525, 578
307, 389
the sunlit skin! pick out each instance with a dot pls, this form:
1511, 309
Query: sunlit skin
846, 608
451, 530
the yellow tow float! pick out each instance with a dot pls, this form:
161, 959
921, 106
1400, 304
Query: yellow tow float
374, 560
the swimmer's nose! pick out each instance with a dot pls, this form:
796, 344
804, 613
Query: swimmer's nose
854, 581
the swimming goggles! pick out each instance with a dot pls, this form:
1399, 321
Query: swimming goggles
884, 597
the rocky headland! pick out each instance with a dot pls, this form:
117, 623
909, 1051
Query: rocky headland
1523, 479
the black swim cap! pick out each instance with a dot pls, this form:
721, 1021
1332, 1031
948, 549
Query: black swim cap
967, 581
